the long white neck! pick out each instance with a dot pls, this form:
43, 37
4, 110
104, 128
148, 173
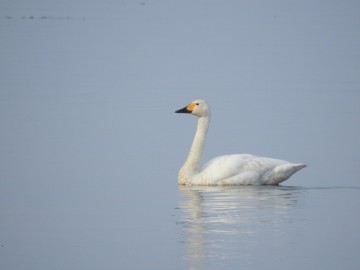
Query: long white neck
192, 163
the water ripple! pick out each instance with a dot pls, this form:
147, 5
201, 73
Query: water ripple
214, 221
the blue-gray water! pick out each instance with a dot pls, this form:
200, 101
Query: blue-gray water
269, 227
90, 145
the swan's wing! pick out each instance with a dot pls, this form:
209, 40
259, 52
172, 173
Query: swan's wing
229, 166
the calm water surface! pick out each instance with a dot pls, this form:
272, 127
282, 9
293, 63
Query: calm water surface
90, 146
269, 227
109, 225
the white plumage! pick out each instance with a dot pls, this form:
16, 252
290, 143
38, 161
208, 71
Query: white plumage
238, 169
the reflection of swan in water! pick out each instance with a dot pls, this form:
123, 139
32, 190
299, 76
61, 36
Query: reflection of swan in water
240, 169
225, 223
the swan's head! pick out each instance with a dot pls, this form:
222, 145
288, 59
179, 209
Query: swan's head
198, 108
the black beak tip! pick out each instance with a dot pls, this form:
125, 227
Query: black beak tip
183, 110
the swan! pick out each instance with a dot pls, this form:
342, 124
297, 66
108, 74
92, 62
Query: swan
236, 169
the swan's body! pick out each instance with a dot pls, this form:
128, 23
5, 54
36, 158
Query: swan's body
239, 169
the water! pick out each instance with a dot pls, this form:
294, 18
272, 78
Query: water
90, 145
92, 227
269, 227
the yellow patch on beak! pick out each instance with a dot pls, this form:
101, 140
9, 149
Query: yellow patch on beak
191, 107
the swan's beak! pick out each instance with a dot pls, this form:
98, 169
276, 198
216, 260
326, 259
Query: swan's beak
186, 109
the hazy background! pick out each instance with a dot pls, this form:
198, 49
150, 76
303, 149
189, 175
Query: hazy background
90, 145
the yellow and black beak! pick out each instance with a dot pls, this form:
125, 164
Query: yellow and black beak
187, 109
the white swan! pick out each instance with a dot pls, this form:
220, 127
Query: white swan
238, 169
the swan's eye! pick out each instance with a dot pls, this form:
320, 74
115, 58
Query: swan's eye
197, 104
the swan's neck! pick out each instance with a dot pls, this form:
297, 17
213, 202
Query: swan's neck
192, 163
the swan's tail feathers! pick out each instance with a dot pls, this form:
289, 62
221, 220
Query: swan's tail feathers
288, 169
298, 166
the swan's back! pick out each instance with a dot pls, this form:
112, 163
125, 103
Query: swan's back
245, 169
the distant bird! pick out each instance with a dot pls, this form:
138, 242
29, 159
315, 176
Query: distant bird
238, 169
